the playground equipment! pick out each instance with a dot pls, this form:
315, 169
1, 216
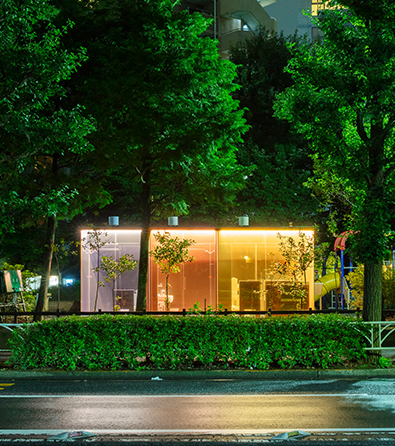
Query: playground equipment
335, 280
340, 245
325, 284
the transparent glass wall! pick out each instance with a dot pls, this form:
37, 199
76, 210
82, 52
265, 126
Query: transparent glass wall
196, 281
232, 268
245, 276
117, 243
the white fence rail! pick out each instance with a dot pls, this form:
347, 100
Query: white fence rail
378, 333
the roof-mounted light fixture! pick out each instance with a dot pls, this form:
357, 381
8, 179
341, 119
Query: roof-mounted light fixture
113, 221
244, 221
172, 221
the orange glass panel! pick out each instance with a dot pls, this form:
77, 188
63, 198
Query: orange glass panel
196, 281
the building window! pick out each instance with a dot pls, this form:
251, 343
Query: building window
320, 5
316, 34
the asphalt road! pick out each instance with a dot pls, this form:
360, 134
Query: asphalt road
215, 407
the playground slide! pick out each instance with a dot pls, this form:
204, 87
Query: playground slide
325, 284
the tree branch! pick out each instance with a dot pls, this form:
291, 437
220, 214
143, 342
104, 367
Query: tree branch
361, 128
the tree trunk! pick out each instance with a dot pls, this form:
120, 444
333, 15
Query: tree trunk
167, 294
372, 291
143, 270
97, 279
372, 302
144, 245
42, 301
373, 232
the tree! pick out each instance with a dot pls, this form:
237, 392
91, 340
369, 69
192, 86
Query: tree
40, 140
169, 255
342, 102
298, 257
93, 244
114, 269
280, 156
163, 104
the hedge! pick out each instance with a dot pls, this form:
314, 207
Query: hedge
176, 342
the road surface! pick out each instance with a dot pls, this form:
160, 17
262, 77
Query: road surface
215, 407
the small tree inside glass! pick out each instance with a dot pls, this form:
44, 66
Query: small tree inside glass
170, 253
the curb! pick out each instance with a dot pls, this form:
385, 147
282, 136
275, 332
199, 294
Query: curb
356, 373
146, 375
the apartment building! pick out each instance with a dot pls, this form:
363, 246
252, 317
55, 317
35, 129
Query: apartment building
233, 20
237, 20
290, 16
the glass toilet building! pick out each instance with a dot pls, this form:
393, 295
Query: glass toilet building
232, 267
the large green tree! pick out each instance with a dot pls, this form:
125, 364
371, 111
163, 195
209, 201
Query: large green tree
342, 102
275, 191
41, 141
167, 123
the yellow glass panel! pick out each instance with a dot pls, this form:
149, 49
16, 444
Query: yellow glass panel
245, 279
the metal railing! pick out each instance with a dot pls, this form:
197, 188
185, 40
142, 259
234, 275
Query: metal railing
15, 314
379, 332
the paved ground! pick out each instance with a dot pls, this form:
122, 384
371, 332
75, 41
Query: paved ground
352, 437
376, 382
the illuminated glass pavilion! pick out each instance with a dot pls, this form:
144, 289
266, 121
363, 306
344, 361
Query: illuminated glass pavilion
232, 267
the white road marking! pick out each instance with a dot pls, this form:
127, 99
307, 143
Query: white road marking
317, 395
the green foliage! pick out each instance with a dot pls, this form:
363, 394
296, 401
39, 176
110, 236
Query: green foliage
298, 257
36, 131
321, 252
43, 139
173, 342
171, 252
384, 363
281, 157
356, 280
93, 243
169, 255
167, 122
114, 268
210, 309
342, 103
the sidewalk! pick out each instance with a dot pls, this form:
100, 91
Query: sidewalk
199, 375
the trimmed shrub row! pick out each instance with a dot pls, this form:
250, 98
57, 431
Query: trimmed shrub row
175, 342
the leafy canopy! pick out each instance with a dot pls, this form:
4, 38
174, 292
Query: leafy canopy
281, 157
171, 252
342, 103
34, 125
